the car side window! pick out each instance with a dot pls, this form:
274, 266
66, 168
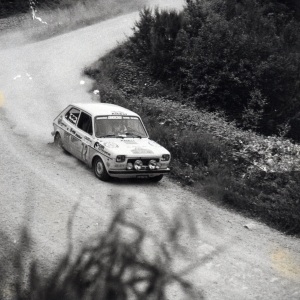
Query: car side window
85, 123
72, 115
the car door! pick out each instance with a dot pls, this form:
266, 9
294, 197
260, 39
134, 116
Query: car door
85, 131
72, 117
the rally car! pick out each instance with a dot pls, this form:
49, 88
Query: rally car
112, 140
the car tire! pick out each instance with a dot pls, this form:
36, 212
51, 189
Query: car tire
156, 178
58, 141
100, 170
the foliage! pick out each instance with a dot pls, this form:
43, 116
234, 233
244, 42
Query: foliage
238, 56
126, 262
239, 168
153, 40
8, 8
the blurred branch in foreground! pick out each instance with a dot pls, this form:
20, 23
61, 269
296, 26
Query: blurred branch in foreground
124, 263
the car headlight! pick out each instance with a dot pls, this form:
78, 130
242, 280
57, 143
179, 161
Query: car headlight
138, 164
165, 157
120, 158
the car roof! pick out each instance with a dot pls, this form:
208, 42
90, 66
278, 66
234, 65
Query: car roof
103, 109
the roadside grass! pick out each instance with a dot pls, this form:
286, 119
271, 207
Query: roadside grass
125, 262
256, 175
46, 23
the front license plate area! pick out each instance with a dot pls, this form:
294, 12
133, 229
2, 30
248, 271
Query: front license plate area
142, 176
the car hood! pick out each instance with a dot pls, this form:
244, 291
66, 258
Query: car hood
142, 147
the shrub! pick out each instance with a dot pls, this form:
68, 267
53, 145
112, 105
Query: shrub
153, 41
237, 56
238, 168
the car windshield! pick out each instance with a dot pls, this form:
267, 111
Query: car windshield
119, 126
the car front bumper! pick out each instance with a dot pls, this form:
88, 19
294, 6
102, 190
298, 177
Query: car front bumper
139, 173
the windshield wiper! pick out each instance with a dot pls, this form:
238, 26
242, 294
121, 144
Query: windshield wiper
133, 134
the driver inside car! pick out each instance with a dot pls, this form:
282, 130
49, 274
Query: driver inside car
116, 127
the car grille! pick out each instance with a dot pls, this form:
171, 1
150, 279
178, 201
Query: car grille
145, 161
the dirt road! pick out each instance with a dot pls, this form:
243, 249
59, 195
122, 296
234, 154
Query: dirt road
39, 186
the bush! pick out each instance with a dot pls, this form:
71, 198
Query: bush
238, 168
153, 41
237, 56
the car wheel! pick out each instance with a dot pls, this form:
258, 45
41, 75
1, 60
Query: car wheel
58, 141
156, 178
100, 170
